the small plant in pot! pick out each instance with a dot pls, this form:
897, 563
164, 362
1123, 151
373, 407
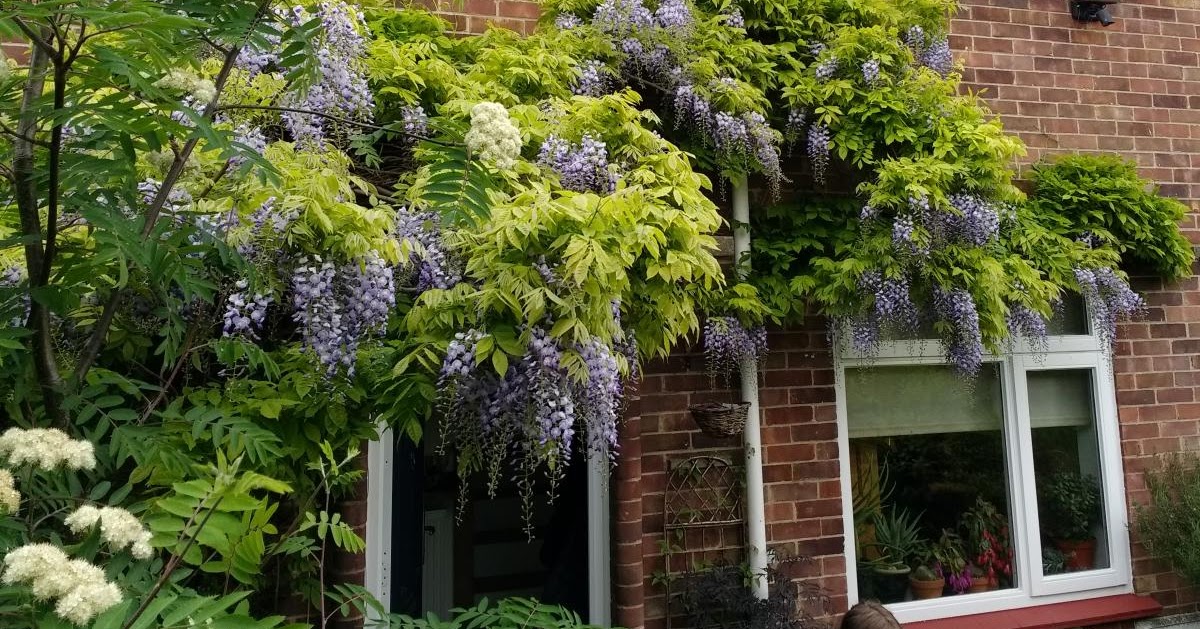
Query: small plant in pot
1070, 509
939, 561
988, 544
898, 540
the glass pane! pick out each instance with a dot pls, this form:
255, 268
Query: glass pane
929, 484
1066, 461
1070, 317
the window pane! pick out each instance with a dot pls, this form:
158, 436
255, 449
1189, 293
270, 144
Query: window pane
929, 482
1066, 458
1070, 317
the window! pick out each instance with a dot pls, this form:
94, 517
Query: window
1016, 473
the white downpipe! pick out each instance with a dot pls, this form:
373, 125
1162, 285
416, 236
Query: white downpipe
756, 517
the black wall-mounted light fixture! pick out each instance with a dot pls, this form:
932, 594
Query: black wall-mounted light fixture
1093, 11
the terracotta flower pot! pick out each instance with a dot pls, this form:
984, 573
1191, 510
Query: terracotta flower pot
982, 584
1080, 555
926, 589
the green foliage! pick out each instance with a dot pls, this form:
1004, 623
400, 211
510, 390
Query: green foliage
1102, 196
1069, 506
508, 613
897, 536
1169, 523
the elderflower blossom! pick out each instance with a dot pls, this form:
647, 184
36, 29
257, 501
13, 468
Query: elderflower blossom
86, 601
203, 90
493, 137
46, 448
119, 528
82, 590
10, 498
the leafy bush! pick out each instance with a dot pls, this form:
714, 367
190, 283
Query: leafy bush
508, 613
720, 596
1103, 198
1069, 505
1169, 523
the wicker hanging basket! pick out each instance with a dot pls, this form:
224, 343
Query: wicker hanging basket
720, 419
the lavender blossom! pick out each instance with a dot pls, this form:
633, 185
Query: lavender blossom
1109, 298
938, 57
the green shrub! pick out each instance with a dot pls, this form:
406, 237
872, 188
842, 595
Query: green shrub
1103, 195
508, 613
1169, 524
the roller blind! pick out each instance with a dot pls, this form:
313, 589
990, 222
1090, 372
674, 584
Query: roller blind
930, 399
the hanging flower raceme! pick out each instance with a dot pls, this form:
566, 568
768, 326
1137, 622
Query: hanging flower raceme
493, 137
81, 588
674, 15
727, 344
1109, 298
536, 409
119, 528
431, 261
581, 167
10, 498
892, 309
341, 89
964, 344
934, 54
622, 17
46, 449
818, 151
1024, 322
244, 315
337, 307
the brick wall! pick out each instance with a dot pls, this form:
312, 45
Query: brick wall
800, 456
1065, 86
473, 16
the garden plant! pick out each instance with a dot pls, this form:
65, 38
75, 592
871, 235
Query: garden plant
238, 238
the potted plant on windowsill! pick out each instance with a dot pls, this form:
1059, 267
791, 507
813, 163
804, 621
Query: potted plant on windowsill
898, 540
988, 545
940, 560
1070, 510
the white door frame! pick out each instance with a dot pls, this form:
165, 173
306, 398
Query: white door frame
378, 577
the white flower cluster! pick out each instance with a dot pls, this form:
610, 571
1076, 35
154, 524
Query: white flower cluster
493, 137
203, 90
82, 590
10, 498
119, 528
47, 448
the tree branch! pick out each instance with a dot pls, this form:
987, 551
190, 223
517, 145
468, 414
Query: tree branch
39, 41
100, 330
26, 195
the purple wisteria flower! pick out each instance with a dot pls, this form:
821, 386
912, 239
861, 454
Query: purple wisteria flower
244, 314
964, 344
594, 79
622, 17
818, 150
727, 343
341, 89
734, 19
1027, 323
870, 70
434, 267
581, 167
674, 15
1109, 298
567, 21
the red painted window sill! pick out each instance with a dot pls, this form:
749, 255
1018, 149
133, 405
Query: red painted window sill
1070, 615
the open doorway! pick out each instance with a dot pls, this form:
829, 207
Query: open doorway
424, 556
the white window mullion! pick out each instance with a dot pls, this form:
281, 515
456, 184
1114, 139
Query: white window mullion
1024, 538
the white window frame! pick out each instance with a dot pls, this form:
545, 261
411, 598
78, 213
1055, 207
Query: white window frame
1033, 588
